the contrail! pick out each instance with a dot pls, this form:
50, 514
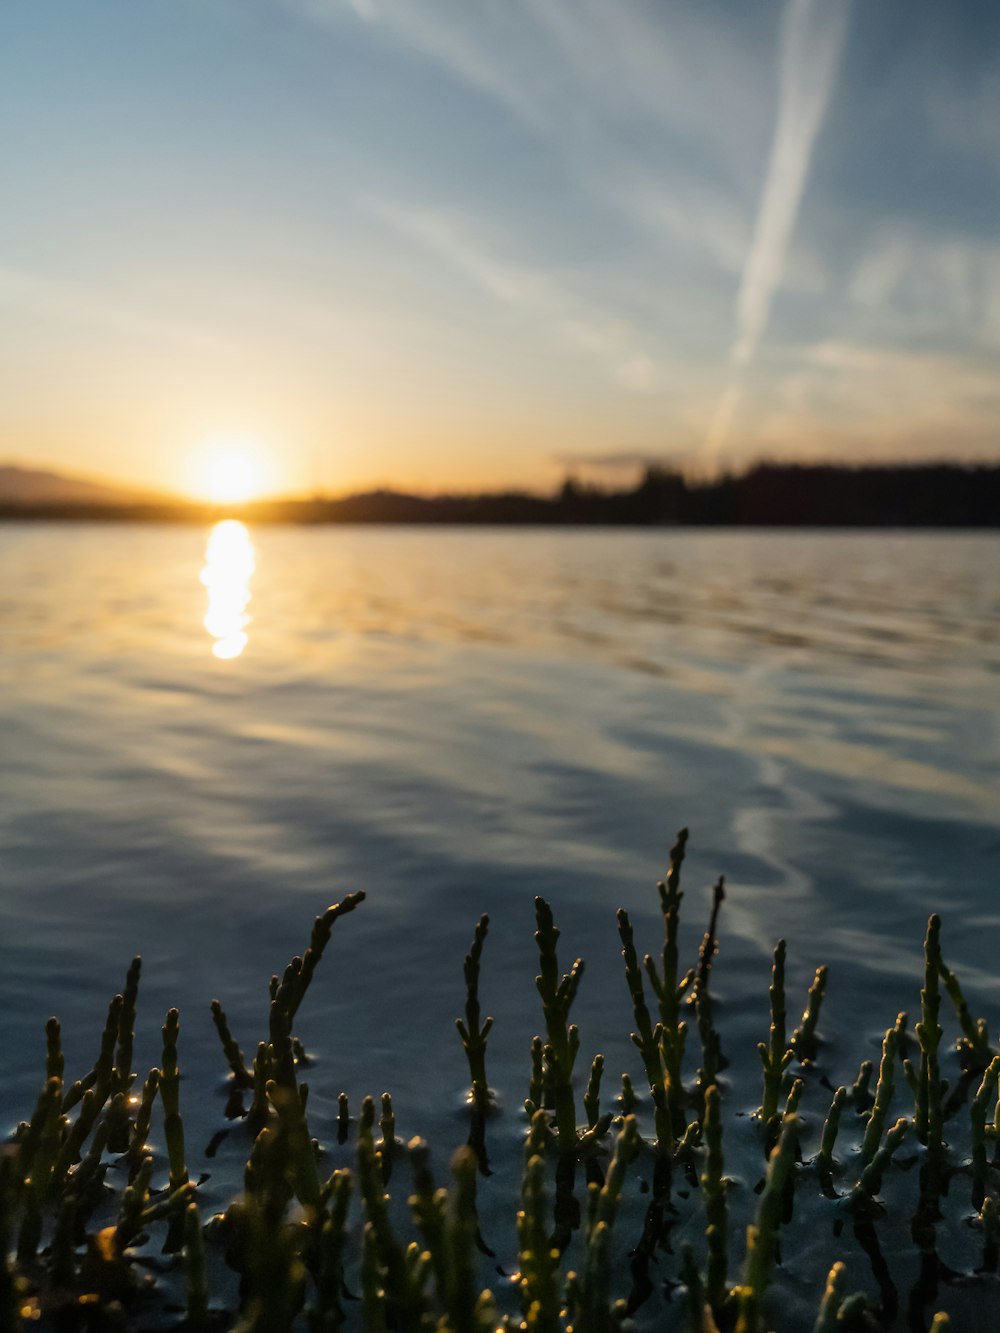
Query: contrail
812, 39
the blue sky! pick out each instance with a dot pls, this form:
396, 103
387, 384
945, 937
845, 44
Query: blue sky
474, 242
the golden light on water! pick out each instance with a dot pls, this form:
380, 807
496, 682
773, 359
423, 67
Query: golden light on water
229, 563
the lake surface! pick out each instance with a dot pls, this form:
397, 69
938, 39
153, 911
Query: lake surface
455, 721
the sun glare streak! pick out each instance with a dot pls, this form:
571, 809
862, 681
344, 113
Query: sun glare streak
229, 563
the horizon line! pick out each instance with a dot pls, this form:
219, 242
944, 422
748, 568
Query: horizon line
137, 495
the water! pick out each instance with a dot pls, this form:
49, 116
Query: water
455, 721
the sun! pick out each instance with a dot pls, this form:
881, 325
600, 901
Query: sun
231, 478
231, 472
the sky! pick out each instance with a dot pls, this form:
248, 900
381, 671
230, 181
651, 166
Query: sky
463, 244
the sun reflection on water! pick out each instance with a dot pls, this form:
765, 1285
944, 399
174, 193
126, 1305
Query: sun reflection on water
229, 563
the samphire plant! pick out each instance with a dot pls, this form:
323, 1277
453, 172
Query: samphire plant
625, 1211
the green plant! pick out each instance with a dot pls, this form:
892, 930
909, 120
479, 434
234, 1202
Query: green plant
82, 1195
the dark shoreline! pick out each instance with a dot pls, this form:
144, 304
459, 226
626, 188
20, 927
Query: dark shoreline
942, 496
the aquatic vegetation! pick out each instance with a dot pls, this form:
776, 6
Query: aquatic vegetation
559, 1052
473, 1033
624, 1215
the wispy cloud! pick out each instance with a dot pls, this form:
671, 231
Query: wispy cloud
65, 299
567, 316
658, 117
940, 285
864, 401
812, 38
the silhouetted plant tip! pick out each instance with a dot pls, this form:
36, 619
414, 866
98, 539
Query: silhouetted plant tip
126, 1027
320, 938
557, 995
257, 1115
710, 942
366, 1120
805, 1042
387, 1144
592, 1097
861, 1091
831, 1128
928, 1116
883, 1098
712, 1062
670, 988
54, 1062
974, 1045
837, 1310
776, 1055
88, 1193
232, 1052
985, 1097
473, 1032
536, 1084
871, 1178
647, 1040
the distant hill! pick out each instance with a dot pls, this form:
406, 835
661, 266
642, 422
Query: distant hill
34, 486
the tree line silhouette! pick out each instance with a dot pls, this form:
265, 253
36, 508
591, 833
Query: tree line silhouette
940, 495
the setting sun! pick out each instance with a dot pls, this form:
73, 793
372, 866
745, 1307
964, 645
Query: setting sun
232, 472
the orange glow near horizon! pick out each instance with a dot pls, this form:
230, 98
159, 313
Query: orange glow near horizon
229, 563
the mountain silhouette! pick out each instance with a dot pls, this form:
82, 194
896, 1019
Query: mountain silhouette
37, 486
